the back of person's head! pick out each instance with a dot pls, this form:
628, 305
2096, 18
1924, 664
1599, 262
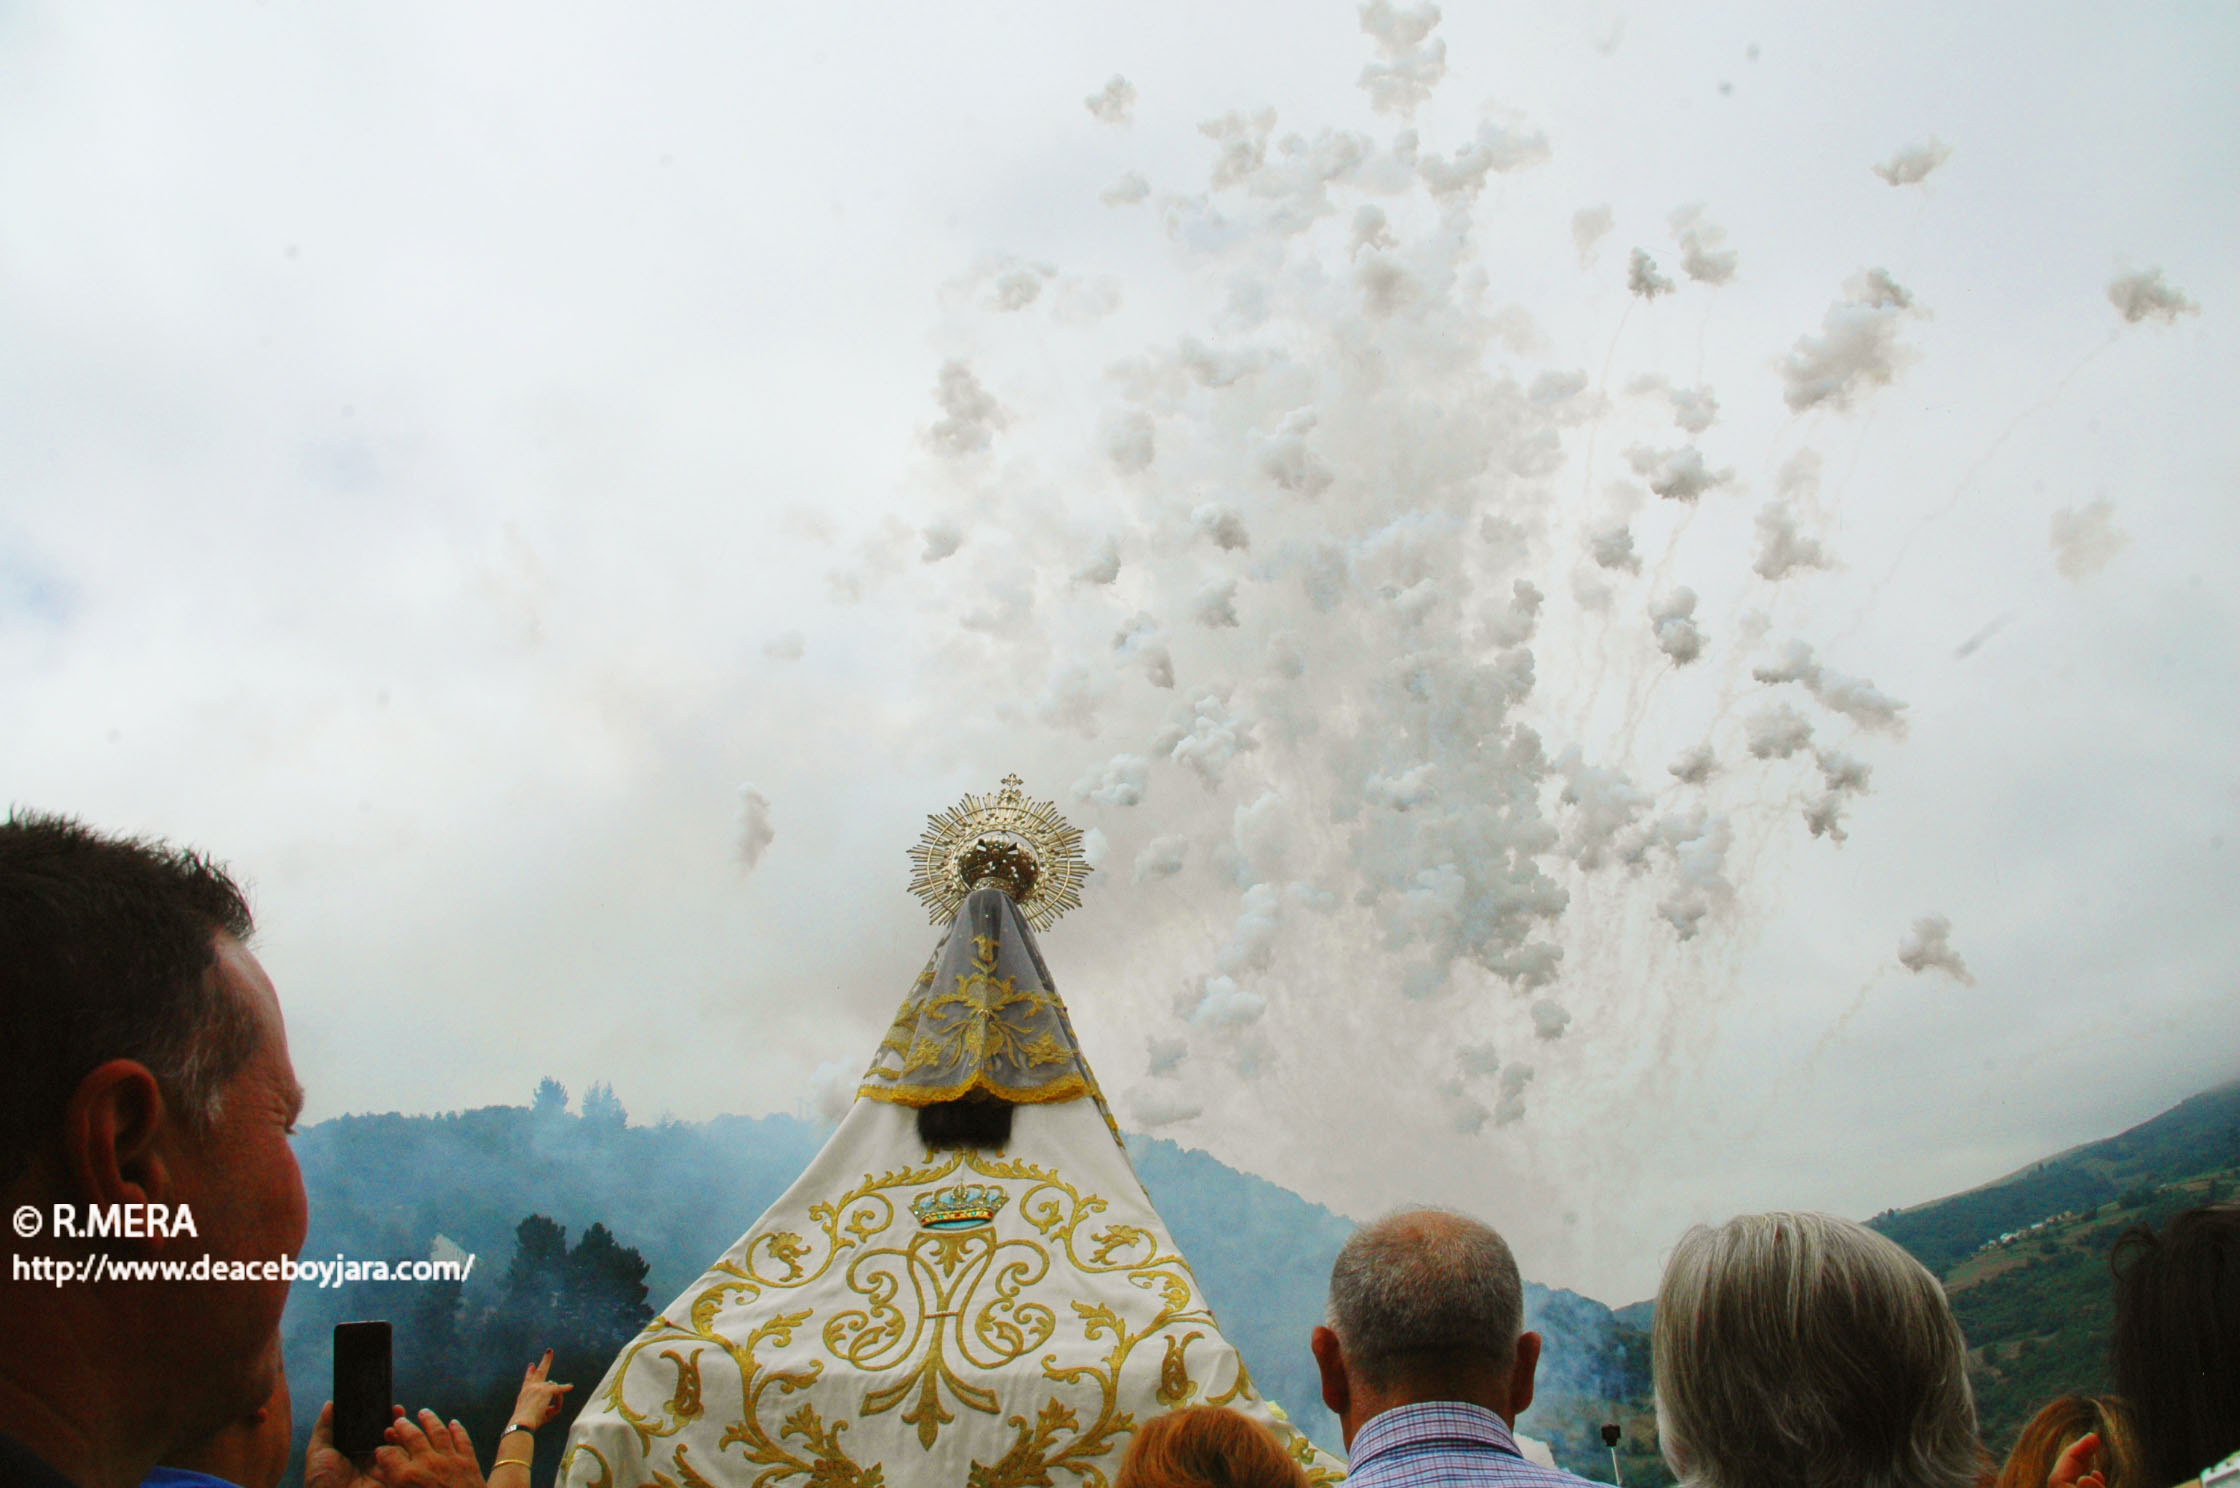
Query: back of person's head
104, 948
1425, 1293
2051, 1431
2175, 1352
1206, 1446
1808, 1351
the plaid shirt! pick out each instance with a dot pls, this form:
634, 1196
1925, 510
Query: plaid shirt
1444, 1444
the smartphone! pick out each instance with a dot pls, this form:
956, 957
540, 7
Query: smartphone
362, 1387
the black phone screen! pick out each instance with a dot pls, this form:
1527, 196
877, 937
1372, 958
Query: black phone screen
362, 1387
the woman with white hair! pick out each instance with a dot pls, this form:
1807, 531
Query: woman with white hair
1805, 1351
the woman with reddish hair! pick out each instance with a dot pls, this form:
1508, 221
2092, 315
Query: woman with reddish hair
1206, 1446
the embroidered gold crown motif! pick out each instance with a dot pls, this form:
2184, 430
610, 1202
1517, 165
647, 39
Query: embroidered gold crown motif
1005, 841
964, 1207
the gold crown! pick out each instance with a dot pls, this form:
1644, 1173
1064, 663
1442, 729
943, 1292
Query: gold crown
1003, 841
964, 1207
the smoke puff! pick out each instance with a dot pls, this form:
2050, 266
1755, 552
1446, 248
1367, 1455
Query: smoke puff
1914, 162
1701, 256
1502, 145
1605, 803
1131, 441
2147, 296
1071, 698
1114, 103
1510, 1107
1589, 226
1411, 62
2087, 540
942, 539
1017, 288
1929, 946
1216, 605
1252, 939
1671, 618
1095, 847
1224, 527
1642, 276
1162, 857
1782, 549
1262, 832
1549, 1020
1153, 1106
753, 833
1222, 1004
1127, 191
1166, 1055
1857, 348
832, 1089
1612, 547
1676, 474
1777, 732
1854, 697
1103, 565
786, 645
970, 414
1119, 781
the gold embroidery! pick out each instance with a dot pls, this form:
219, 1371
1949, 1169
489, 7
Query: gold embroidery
932, 1311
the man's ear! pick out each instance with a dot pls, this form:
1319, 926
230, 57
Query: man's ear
1521, 1371
1330, 1360
116, 1131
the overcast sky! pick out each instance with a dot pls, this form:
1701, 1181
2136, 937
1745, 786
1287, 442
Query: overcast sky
451, 456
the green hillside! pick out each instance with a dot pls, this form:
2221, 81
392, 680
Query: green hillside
2025, 1259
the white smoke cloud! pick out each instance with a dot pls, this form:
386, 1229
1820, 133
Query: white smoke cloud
753, 833
1114, 103
786, 645
1165, 1055
832, 1089
1777, 732
1549, 1020
1914, 162
1018, 287
1857, 348
1695, 765
1162, 857
1223, 1004
1672, 618
2086, 539
1854, 697
1223, 527
970, 414
1095, 847
1215, 606
1642, 277
1612, 547
1127, 191
1702, 258
1510, 1107
2146, 295
1929, 947
1502, 145
1103, 566
1782, 548
1676, 474
1589, 226
1410, 61
942, 539
1119, 781
1151, 1107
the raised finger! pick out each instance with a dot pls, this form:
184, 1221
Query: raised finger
407, 1434
461, 1442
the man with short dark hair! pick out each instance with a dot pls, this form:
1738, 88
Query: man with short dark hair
1425, 1357
147, 1075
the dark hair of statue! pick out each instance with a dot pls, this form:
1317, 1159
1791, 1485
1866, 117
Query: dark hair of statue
978, 1120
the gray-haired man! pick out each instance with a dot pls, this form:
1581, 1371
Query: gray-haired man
1425, 1358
